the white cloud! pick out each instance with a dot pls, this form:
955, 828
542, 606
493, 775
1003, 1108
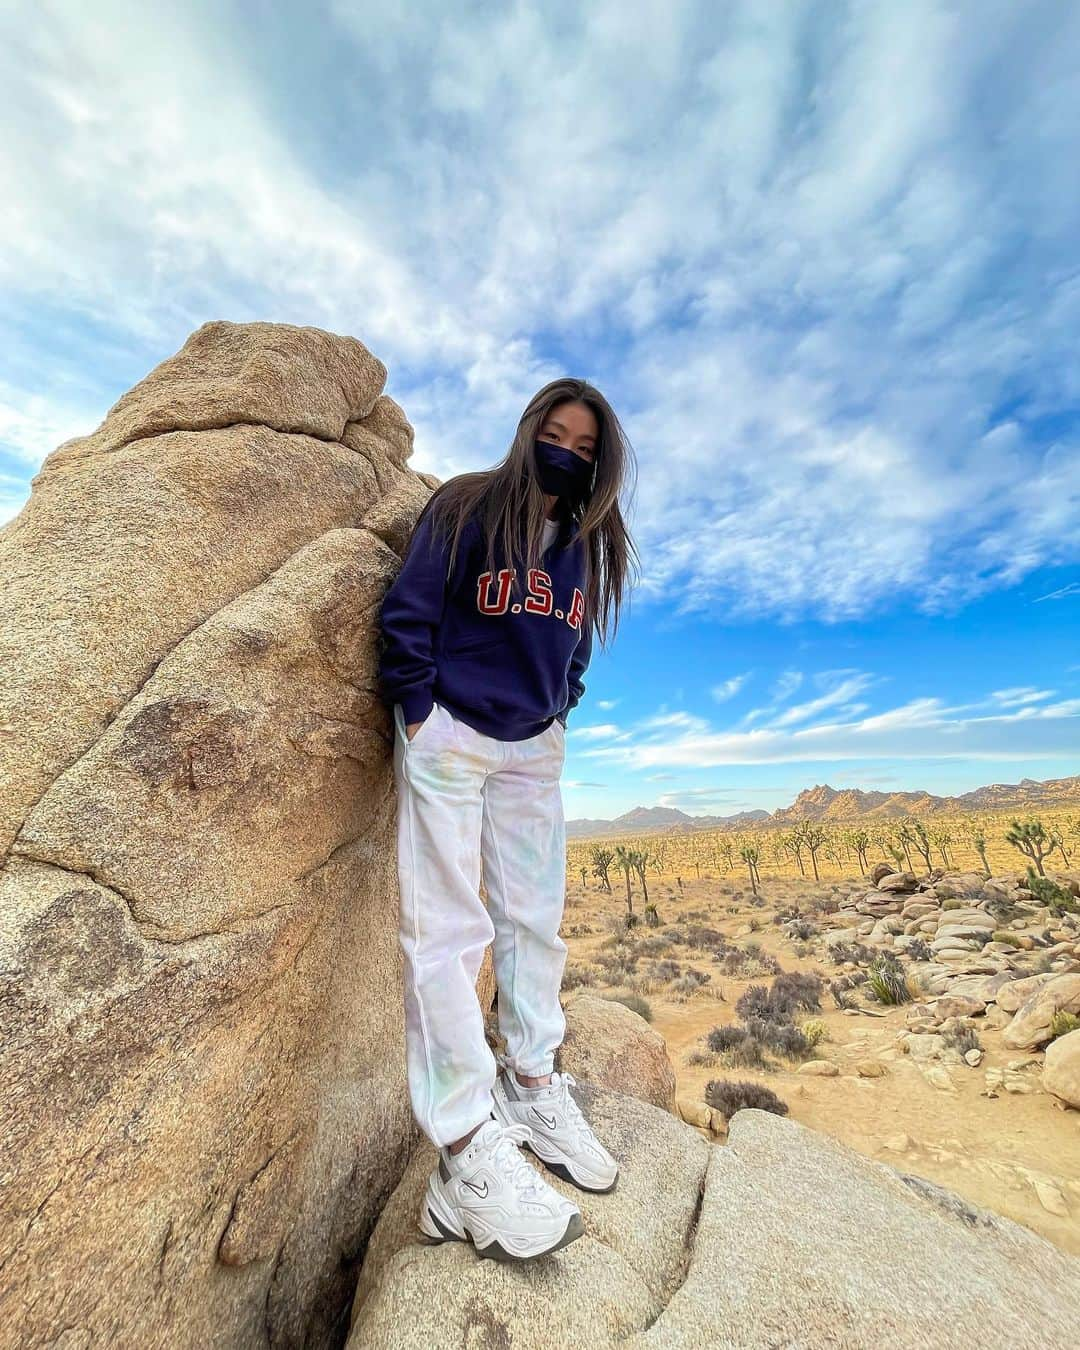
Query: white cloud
730, 687
1018, 724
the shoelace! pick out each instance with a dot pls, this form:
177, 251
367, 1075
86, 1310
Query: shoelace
511, 1163
569, 1107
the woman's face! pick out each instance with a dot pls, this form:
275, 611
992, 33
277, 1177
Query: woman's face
573, 426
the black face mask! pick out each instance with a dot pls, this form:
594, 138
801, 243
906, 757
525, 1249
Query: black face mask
563, 473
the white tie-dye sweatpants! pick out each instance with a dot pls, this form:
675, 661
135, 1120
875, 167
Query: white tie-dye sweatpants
465, 799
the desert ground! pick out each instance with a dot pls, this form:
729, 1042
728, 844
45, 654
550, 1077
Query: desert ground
890, 1088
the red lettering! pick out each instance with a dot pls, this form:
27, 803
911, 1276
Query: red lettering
484, 602
539, 602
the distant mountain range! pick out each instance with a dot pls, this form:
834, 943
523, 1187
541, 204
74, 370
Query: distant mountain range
826, 803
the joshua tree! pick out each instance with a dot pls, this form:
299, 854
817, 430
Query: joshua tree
749, 854
920, 842
941, 838
638, 860
791, 842
601, 859
978, 843
897, 854
860, 842
1033, 839
905, 838
812, 837
624, 860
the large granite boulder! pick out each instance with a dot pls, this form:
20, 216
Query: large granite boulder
611, 1046
781, 1237
1031, 1026
202, 1089
1061, 1071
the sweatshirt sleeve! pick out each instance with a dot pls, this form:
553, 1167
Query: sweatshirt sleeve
411, 611
579, 663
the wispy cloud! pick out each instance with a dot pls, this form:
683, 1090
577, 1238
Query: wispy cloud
1063, 593
1016, 724
730, 687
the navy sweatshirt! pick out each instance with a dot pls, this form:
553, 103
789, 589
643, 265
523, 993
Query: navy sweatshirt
506, 664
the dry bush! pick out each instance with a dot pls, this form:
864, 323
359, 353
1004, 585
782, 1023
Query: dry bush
727, 1097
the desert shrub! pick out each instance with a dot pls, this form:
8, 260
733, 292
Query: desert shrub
858, 953
798, 989
689, 982
781, 1037
727, 1097
737, 1048
616, 963
652, 919
802, 930
617, 926
655, 945
742, 964
665, 970
841, 994
577, 977
754, 1002
962, 1039
700, 1058
1062, 1023
705, 939
723, 1038
886, 981
634, 1002
814, 1030
919, 950
1047, 892
790, 991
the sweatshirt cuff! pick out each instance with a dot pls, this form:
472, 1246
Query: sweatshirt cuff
416, 704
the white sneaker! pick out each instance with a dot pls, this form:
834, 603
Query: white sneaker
492, 1195
560, 1136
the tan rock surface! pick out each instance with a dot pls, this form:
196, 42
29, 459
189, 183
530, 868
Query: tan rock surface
1031, 1025
609, 1045
1061, 1070
202, 1100
780, 1237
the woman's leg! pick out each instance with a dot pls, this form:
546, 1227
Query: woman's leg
523, 846
444, 927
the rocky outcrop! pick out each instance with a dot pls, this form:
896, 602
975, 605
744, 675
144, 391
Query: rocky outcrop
781, 1237
1031, 1025
1061, 1072
609, 1045
202, 1091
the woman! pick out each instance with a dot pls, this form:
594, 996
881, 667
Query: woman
486, 635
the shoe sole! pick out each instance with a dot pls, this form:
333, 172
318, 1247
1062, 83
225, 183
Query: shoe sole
494, 1250
562, 1170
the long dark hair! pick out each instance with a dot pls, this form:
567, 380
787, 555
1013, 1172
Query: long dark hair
508, 501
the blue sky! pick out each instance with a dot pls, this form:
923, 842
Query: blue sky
823, 260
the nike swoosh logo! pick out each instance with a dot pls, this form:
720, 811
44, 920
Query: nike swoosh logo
476, 1189
551, 1124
